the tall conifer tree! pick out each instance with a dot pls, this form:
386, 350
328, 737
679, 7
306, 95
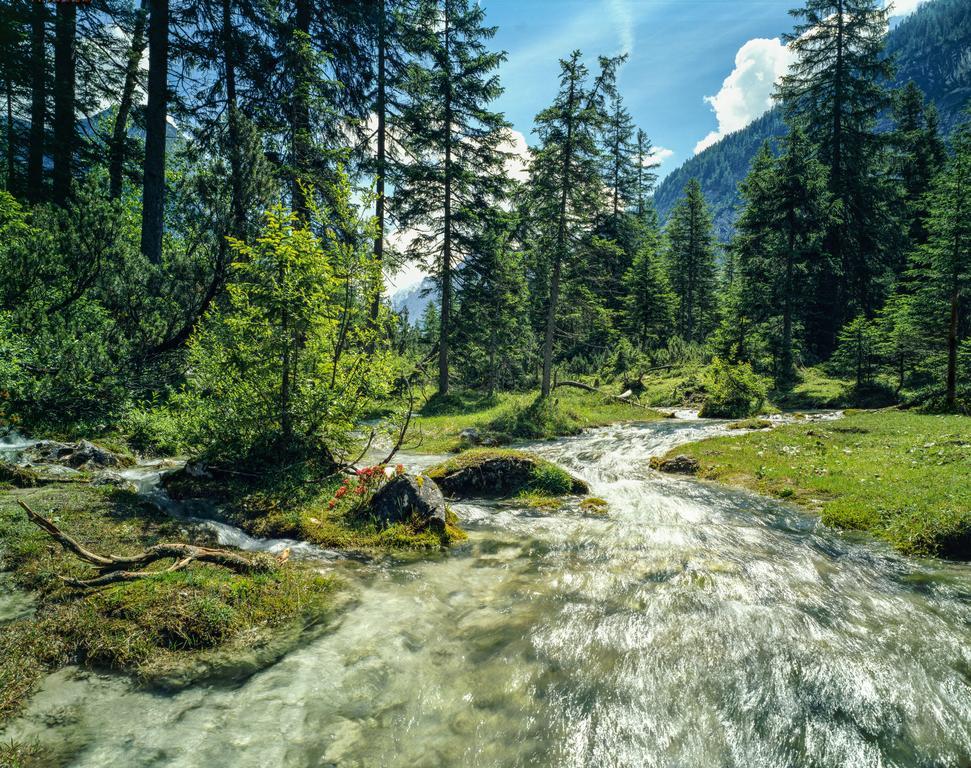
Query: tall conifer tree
454, 141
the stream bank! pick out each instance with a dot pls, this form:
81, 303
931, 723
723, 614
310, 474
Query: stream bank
693, 625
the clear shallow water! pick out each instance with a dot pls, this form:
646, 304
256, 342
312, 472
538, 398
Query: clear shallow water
695, 626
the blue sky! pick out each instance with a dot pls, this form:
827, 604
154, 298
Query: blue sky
681, 51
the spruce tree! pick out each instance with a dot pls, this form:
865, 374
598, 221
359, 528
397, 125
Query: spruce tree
944, 262
836, 88
918, 155
454, 141
567, 187
651, 302
620, 154
493, 332
691, 264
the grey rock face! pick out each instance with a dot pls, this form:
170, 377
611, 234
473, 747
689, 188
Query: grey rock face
407, 496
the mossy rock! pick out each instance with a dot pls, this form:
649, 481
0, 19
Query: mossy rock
18, 477
503, 473
594, 505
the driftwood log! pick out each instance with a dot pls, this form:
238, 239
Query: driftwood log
626, 397
116, 568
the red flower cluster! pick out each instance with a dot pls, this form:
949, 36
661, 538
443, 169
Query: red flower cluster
369, 479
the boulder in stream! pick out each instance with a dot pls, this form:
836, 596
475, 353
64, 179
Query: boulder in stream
83, 455
677, 465
406, 497
501, 473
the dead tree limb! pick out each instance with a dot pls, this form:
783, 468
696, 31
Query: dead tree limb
627, 397
404, 427
115, 568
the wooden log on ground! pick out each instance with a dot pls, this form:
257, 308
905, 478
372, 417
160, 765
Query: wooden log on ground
115, 568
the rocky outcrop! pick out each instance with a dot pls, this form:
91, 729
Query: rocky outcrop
407, 497
83, 455
677, 465
500, 473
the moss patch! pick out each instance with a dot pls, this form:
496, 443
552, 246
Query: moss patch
503, 473
593, 505
152, 628
296, 504
900, 476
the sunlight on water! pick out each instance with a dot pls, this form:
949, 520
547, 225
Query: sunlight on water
694, 626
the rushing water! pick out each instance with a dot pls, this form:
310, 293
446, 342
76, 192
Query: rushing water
695, 626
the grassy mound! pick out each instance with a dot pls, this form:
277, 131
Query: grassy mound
296, 504
900, 476
502, 473
155, 628
516, 416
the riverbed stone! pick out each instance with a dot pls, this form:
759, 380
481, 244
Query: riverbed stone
677, 465
503, 473
407, 496
83, 455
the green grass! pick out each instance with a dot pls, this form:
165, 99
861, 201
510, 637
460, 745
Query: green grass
753, 423
514, 416
295, 503
155, 627
900, 476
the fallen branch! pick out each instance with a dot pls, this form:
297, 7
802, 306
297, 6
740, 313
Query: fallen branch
113, 568
627, 397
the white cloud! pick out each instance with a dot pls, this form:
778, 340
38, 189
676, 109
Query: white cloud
660, 155
621, 14
747, 91
903, 7
517, 163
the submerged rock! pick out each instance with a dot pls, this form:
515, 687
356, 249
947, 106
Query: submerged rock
678, 465
406, 497
499, 473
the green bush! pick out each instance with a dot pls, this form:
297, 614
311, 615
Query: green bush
287, 366
734, 391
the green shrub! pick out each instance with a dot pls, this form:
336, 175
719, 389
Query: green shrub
160, 430
734, 391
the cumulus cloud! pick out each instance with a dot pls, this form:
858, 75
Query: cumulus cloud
747, 91
659, 155
903, 7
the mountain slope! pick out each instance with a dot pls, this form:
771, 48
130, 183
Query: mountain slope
932, 47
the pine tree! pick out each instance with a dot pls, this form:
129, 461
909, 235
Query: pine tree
454, 141
620, 153
944, 262
779, 245
651, 302
644, 176
65, 74
493, 332
691, 264
566, 177
836, 89
918, 156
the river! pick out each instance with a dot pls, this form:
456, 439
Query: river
694, 626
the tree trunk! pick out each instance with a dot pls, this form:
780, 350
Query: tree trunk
560, 245
446, 313
300, 118
952, 349
65, 55
10, 136
156, 112
381, 158
38, 103
119, 136
786, 361
235, 157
